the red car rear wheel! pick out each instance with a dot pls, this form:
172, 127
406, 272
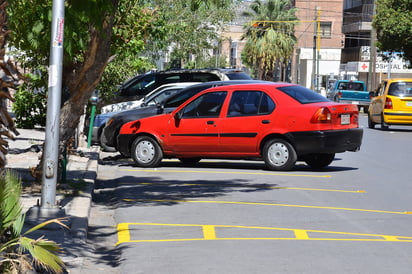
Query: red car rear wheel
319, 160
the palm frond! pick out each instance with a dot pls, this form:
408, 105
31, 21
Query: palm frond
18, 224
58, 221
10, 205
43, 253
7, 245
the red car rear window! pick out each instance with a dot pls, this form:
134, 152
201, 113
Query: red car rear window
303, 95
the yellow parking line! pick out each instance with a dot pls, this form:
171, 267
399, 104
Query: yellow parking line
209, 233
248, 186
123, 232
268, 204
301, 234
321, 189
225, 172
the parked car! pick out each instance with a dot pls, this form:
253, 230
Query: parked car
391, 104
352, 92
157, 96
154, 97
111, 130
278, 122
141, 85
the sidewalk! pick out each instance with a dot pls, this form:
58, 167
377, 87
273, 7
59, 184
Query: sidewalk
74, 198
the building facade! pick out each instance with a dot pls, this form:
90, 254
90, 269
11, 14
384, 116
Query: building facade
333, 42
232, 46
319, 42
360, 58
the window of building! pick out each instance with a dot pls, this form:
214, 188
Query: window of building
233, 54
326, 29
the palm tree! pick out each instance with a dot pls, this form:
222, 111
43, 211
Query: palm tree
18, 253
270, 40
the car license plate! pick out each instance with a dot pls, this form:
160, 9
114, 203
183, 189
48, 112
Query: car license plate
345, 119
409, 104
355, 103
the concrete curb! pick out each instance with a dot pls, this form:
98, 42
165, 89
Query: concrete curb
79, 207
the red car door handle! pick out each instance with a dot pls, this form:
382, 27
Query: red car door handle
210, 122
265, 121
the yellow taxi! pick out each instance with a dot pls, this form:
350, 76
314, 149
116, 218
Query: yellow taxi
391, 104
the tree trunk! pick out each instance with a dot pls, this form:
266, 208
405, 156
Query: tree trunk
82, 81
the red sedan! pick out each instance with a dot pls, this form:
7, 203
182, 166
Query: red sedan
280, 123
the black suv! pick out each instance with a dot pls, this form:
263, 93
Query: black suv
141, 85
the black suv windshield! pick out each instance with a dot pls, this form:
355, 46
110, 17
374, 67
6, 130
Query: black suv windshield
303, 95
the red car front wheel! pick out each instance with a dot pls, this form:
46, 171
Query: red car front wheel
146, 152
279, 155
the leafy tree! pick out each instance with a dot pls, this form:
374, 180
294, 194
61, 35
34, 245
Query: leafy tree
271, 39
393, 25
193, 27
208, 62
86, 47
182, 22
98, 30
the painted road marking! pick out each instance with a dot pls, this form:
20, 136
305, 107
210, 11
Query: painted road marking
268, 204
225, 172
248, 186
210, 232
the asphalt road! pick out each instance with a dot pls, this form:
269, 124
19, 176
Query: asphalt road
237, 217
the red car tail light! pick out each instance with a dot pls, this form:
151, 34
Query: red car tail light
388, 103
322, 115
339, 94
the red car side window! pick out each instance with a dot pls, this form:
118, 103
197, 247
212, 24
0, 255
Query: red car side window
250, 103
207, 105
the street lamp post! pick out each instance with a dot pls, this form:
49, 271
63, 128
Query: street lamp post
52, 134
316, 52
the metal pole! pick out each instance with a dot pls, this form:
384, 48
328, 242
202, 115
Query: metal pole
91, 124
313, 85
317, 49
51, 149
372, 56
390, 65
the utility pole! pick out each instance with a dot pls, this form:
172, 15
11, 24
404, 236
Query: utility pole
372, 57
52, 134
316, 49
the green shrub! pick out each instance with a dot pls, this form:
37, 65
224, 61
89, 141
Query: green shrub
30, 107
